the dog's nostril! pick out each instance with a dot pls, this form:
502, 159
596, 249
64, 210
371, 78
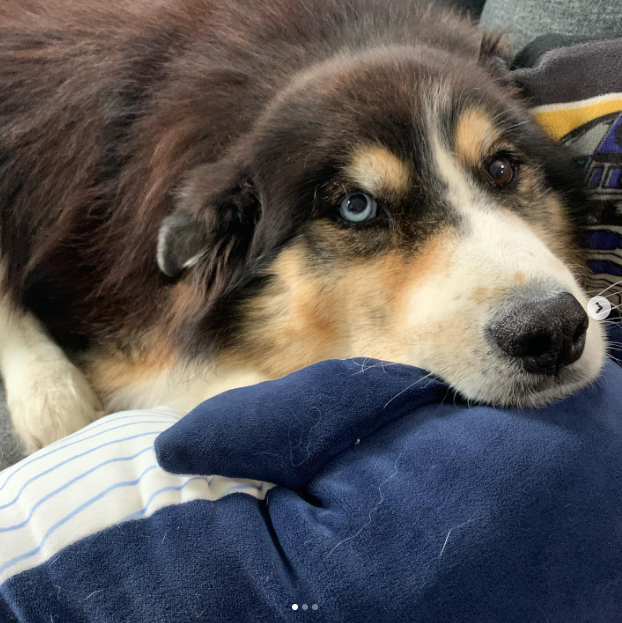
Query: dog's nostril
544, 334
538, 345
581, 330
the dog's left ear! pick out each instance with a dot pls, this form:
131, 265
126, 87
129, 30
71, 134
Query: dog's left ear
181, 243
495, 55
213, 224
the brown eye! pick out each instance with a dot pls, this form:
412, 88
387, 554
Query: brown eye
501, 170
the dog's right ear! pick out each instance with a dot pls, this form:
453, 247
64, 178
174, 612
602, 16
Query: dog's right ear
213, 224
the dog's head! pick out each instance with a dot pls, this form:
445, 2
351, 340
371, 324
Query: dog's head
397, 203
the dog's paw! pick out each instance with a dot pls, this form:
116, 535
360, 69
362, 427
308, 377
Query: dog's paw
49, 399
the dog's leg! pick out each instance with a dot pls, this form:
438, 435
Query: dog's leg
48, 397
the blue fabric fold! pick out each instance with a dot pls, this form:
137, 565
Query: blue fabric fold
285, 431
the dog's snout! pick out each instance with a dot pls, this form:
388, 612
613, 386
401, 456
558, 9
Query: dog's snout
545, 334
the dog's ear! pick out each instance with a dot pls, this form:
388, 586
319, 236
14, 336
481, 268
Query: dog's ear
496, 56
181, 242
213, 224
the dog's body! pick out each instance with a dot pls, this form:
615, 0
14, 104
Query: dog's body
200, 194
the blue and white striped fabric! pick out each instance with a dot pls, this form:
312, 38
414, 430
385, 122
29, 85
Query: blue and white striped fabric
103, 475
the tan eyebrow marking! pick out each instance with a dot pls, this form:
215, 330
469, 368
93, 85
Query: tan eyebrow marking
376, 169
474, 136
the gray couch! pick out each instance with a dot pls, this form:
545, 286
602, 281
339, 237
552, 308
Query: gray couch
10, 449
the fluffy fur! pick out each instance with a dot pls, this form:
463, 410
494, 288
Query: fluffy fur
170, 180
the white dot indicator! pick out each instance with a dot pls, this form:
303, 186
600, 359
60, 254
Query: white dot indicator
295, 607
599, 308
305, 607
314, 607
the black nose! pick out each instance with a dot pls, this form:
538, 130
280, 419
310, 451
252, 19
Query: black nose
545, 334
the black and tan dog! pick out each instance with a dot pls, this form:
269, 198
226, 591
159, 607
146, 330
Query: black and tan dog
199, 194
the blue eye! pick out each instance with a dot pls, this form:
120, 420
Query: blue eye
358, 207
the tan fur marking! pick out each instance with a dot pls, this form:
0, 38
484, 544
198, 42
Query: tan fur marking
474, 137
435, 258
480, 294
376, 169
114, 370
486, 294
519, 277
360, 308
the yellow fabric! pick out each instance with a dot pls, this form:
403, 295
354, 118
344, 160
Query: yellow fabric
560, 119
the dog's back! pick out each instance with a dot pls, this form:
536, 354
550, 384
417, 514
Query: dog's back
76, 81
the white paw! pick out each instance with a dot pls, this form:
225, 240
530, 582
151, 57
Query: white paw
49, 399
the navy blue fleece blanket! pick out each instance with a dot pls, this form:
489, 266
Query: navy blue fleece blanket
394, 502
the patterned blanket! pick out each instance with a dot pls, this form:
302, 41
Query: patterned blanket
577, 95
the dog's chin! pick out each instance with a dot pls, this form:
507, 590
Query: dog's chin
543, 390
503, 383
519, 389
509, 386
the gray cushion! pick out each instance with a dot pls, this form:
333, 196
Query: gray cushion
527, 19
10, 449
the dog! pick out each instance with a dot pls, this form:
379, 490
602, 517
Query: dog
197, 195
